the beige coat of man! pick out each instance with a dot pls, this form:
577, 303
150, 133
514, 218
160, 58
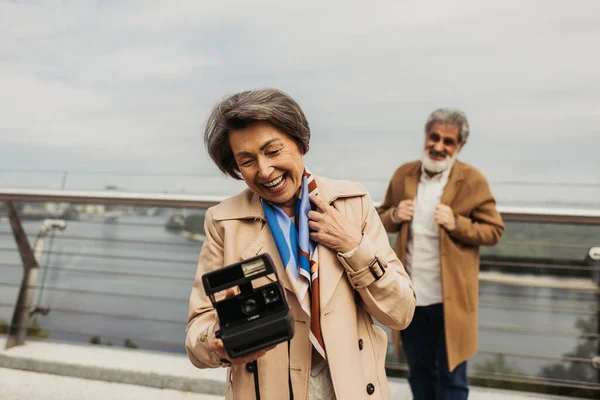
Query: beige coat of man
478, 223
236, 229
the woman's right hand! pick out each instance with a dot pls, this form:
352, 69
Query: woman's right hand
216, 346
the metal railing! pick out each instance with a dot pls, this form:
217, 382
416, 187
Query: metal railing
101, 257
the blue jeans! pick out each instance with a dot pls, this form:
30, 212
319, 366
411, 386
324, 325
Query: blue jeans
424, 343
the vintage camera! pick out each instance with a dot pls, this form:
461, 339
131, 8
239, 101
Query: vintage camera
256, 318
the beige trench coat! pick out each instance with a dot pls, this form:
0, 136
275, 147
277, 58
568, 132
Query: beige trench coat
236, 229
478, 223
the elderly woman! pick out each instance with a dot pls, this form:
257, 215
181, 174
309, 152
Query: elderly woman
337, 351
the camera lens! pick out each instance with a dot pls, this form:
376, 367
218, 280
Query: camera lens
271, 295
249, 307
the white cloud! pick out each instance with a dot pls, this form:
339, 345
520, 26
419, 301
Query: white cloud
138, 78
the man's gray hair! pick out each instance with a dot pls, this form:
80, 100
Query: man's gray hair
450, 116
242, 109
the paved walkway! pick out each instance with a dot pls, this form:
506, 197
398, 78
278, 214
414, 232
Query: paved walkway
26, 385
100, 372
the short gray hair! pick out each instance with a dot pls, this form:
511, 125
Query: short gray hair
242, 109
450, 116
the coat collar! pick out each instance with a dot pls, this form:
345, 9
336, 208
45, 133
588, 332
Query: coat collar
454, 181
247, 205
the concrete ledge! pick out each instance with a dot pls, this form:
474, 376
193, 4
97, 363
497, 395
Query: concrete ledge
136, 367
163, 370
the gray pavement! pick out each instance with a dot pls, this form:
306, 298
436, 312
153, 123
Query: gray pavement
42, 370
26, 385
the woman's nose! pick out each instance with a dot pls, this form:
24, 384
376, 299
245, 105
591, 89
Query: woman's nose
264, 169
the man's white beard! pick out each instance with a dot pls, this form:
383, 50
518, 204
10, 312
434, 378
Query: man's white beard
436, 167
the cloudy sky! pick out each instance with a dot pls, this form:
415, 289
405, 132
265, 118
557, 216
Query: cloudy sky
117, 92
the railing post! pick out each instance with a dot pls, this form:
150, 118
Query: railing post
18, 328
63, 183
593, 260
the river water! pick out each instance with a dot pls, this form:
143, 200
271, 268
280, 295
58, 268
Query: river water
111, 259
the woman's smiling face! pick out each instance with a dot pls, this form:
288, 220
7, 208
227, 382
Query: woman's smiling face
270, 162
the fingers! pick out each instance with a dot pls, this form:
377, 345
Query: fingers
439, 213
216, 346
443, 207
319, 202
314, 236
315, 216
405, 210
443, 215
407, 203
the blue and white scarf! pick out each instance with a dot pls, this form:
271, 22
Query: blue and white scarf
299, 254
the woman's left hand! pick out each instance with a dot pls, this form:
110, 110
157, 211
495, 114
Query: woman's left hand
331, 229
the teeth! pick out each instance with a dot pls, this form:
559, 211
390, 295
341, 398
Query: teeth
276, 183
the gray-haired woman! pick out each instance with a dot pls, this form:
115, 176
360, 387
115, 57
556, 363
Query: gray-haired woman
330, 249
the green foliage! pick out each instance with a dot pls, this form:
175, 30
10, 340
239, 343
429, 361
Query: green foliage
194, 223
497, 365
34, 329
558, 242
97, 340
586, 348
129, 344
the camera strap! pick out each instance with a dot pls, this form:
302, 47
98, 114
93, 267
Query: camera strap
255, 371
256, 384
290, 374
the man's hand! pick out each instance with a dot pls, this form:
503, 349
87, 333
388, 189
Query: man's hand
404, 211
331, 229
444, 216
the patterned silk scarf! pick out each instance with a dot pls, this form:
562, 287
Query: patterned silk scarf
299, 254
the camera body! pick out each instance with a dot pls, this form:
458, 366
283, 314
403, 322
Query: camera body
256, 318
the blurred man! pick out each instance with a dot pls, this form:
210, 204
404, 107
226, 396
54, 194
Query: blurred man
443, 210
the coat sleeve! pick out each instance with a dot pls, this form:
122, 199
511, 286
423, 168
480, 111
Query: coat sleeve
385, 209
202, 318
377, 274
484, 226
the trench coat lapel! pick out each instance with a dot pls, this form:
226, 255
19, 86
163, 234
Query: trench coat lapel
330, 269
251, 210
265, 243
330, 273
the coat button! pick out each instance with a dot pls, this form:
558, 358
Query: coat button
360, 344
370, 389
249, 367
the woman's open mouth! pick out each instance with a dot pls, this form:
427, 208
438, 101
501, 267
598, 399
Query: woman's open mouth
276, 184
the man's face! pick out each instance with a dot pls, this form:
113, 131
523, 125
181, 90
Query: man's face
441, 146
442, 141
